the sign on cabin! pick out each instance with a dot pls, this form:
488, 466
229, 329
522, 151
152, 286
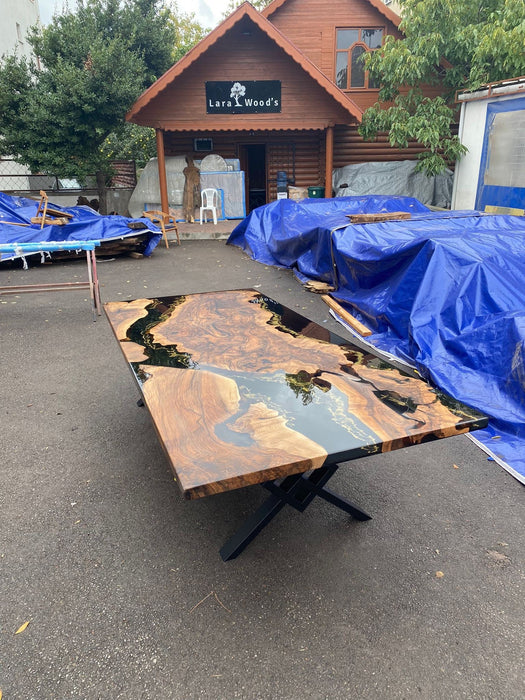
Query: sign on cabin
246, 97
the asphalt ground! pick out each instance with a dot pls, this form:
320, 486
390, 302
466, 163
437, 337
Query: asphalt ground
121, 580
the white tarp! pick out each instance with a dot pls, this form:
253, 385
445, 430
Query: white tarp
393, 178
146, 195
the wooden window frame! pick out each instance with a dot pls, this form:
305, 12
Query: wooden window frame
348, 51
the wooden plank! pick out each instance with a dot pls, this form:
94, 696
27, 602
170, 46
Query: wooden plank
375, 218
513, 211
318, 287
58, 212
346, 316
47, 221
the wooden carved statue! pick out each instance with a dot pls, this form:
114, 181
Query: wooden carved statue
192, 191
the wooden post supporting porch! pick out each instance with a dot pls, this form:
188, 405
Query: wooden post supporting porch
329, 153
161, 162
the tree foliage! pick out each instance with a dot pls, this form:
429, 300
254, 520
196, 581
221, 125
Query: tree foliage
188, 32
457, 44
131, 142
94, 63
134, 142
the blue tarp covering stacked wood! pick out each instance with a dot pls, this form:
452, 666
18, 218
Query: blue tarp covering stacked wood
442, 291
86, 224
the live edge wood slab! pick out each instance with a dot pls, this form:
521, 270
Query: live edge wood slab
243, 390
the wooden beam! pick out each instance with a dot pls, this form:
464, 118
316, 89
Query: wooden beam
49, 221
346, 316
329, 161
161, 162
376, 218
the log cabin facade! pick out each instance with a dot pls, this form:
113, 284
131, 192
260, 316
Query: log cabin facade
281, 90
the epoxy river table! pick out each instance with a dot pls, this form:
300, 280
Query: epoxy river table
243, 390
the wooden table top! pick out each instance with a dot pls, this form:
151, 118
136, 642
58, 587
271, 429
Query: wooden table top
243, 390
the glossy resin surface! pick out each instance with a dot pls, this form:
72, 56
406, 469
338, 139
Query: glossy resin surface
243, 390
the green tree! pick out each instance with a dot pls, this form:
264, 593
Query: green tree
95, 62
131, 142
188, 32
134, 142
457, 44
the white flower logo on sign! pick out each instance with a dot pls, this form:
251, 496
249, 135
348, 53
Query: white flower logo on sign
237, 91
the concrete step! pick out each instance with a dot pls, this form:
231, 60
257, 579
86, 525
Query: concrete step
208, 231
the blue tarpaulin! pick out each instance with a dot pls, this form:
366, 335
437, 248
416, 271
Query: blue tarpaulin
443, 291
86, 224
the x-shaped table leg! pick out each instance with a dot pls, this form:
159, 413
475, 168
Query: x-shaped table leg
297, 491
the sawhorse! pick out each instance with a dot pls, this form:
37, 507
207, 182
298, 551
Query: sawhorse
23, 249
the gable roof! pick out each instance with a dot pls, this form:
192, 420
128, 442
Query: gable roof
246, 10
378, 4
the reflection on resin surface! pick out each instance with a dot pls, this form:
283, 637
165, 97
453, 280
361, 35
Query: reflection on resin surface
242, 389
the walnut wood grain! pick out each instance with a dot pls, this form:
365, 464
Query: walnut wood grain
122, 315
209, 330
133, 352
187, 406
242, 390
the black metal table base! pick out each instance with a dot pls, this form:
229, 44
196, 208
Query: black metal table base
297, 491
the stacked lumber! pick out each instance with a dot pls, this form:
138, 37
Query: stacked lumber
110, 249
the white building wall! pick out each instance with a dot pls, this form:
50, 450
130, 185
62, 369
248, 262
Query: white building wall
16, 16
471, 135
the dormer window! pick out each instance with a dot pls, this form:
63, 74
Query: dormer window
351, 44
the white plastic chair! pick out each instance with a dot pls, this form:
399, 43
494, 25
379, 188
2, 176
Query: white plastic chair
209, 202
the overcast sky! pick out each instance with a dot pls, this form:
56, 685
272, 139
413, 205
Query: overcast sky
208, 12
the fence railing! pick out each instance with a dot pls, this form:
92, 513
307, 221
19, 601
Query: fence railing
16, 178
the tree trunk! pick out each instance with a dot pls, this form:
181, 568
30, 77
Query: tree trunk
101, 188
